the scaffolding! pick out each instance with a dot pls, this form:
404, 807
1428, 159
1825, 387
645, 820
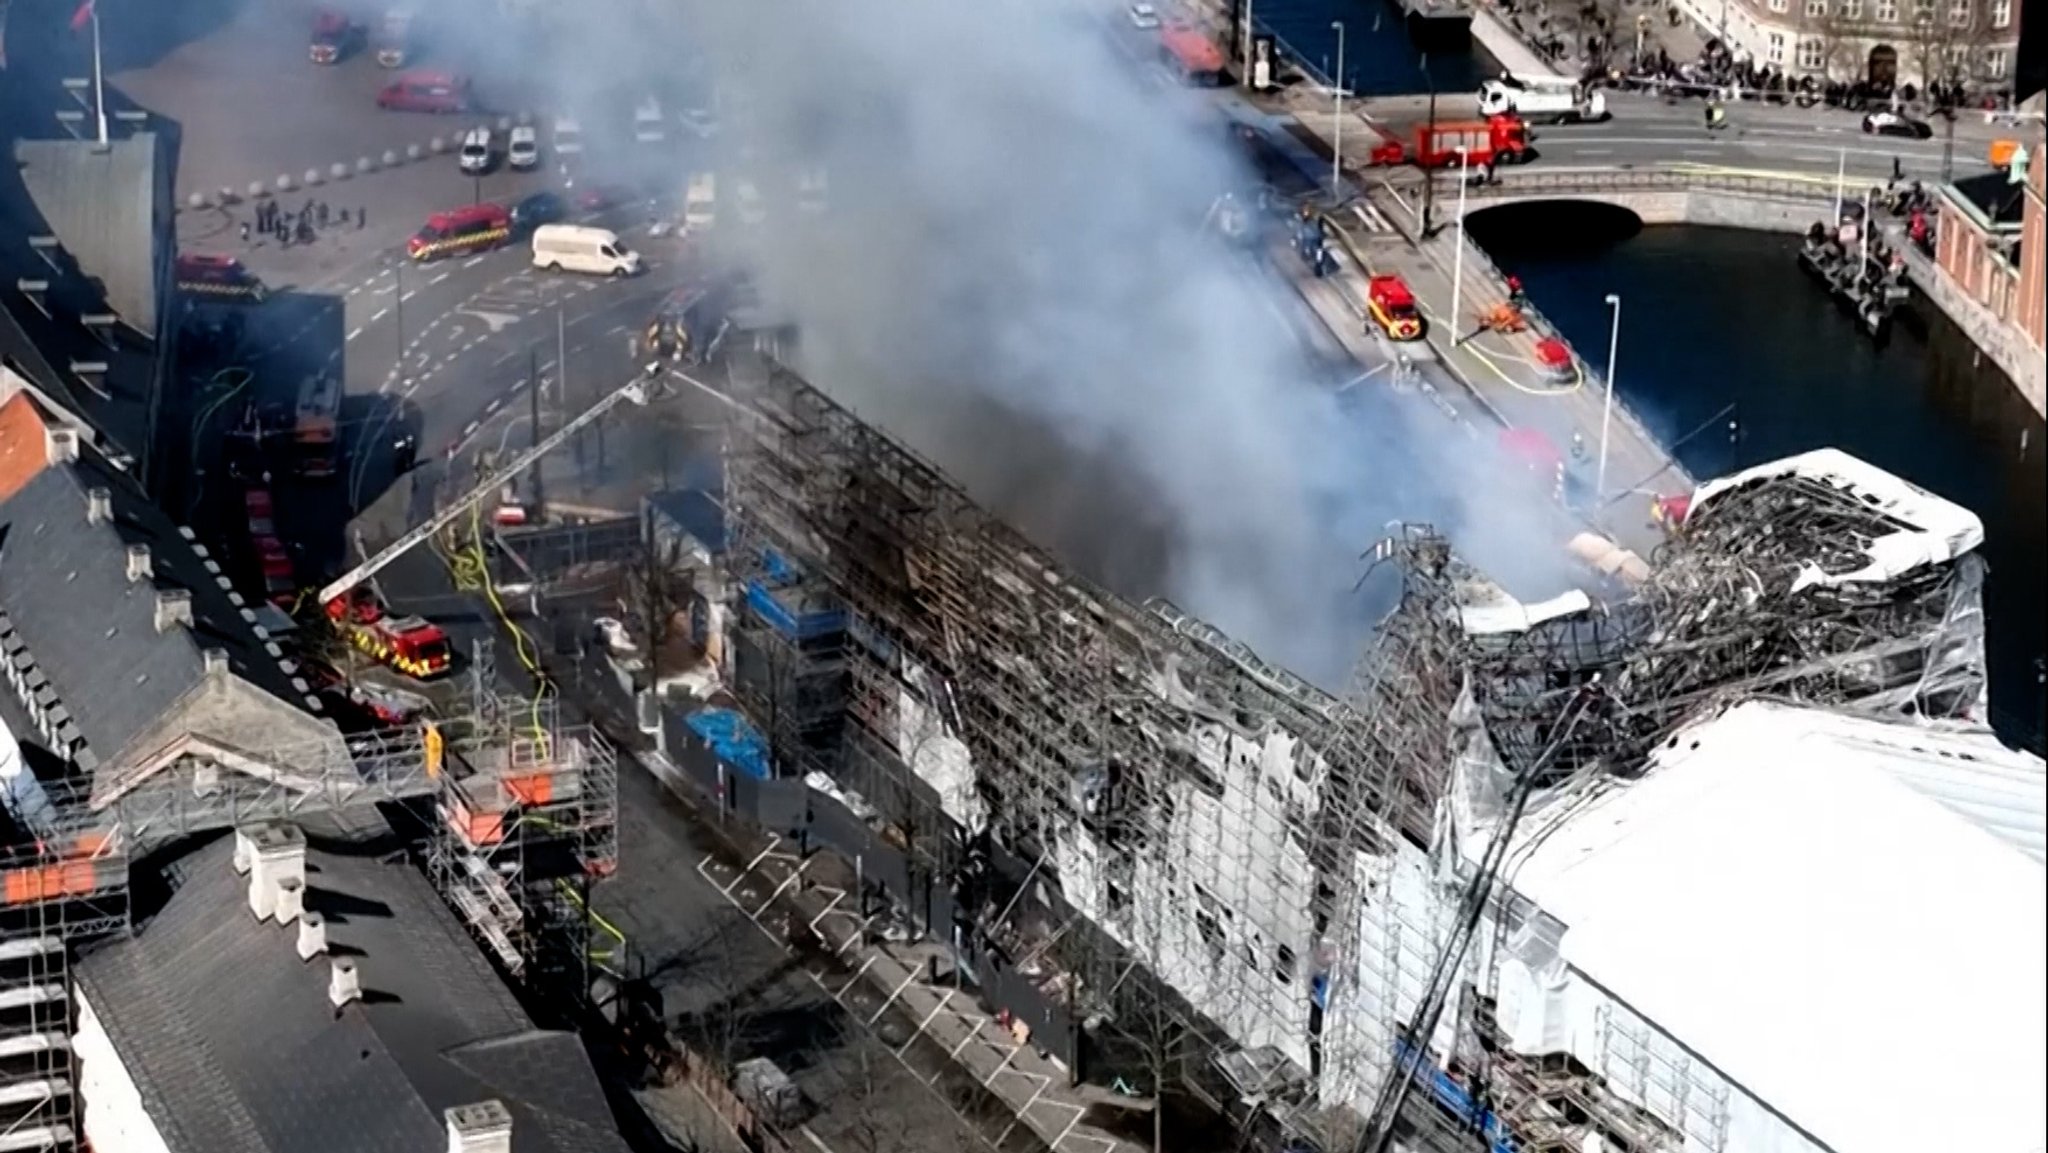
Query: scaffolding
1164, 781
526, 821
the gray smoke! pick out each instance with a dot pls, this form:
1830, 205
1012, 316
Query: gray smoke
1013, 279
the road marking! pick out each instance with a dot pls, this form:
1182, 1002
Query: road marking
473, 261
1698, 152
408, 296
353, 333
438, 279
1596, 151
1812, 159
379, 315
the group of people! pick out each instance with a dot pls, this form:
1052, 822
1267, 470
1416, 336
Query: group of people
301, 227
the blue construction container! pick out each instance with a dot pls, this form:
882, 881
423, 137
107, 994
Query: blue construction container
770, 597
732, 739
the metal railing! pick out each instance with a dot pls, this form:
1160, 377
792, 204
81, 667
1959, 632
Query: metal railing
1582, 181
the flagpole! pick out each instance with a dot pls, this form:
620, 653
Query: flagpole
99, 79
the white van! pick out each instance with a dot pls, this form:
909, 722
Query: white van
575, 248
700, 202
476, 155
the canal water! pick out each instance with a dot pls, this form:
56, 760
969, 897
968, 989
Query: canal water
1382, 55
1730, 353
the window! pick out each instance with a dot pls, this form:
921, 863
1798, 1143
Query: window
2001, 13
1955, 61
1997, 63
1851, 9
1776, 52
1959, 13
1888, 11
1816, 8
1923, 10
1813, 55
1778, 5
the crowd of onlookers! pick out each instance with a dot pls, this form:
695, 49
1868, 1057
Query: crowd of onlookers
1619, 43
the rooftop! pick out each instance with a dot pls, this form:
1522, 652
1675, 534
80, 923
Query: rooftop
236, 1048
1837, 913
1993, 199
130, 626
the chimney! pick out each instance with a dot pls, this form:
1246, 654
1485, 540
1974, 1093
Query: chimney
61, 445
173, 607
485, 1127
344, 984
139, 568
99, 506
216, 661
312, 936
289, 902
271, 853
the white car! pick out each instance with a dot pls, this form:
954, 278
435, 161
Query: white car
522, 149
475, 155
568, 136
1144, 17
647, 126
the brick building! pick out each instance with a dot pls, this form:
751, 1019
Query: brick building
1989, 245
2034, 252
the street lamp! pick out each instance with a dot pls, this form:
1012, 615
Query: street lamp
1337, 137
1607, 403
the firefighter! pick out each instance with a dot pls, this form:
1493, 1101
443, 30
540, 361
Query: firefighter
1515, 294
404, 453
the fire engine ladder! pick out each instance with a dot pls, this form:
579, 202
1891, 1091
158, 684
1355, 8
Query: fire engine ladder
635, 391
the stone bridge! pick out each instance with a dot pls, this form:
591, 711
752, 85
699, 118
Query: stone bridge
1676, 195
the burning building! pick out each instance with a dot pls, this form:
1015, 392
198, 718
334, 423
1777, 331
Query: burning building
1434, 894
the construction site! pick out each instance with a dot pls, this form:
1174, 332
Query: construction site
1299, 906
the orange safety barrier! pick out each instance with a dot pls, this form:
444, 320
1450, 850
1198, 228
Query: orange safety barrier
49, 882
476, 829
534, 789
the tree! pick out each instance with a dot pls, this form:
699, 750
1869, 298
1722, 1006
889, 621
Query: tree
1839, 37
867, 1103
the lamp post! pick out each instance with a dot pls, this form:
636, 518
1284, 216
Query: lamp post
1337, 135
1458, 261
1607, 403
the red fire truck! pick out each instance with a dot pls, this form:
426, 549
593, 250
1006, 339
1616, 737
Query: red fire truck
411, 645
1502, 139
217, 276
477, 228
1393, 308
1191, 54
273, 562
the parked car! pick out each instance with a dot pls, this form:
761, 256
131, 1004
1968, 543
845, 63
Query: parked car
476, 153
522, 148
1144, 17
538, 209
1885, 123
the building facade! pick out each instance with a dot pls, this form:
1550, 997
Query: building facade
1884, 41
1981, 249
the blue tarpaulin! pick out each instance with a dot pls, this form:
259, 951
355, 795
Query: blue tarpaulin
733, 740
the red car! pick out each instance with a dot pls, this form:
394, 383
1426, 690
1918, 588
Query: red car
439, 92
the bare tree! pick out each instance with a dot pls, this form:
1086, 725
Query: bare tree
1839, 38
867, 1105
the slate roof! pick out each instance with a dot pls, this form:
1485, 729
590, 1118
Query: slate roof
1995, 197
120, 272
101, 202
233, 1044
65, 591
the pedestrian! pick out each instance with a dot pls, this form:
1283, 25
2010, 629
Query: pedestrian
305, 231
322, 214
1898, 170
245, 232
263, 216
362, 216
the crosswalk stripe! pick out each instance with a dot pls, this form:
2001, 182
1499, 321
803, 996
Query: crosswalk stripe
1372, 218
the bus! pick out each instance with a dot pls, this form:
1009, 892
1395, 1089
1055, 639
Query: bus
1192, 55
314, 433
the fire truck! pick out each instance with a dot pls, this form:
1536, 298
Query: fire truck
334, 36
1192, 56
1502, 139
273, 562
394, 38
1392, 307
313, 429
217, 276
411, 645
477, 228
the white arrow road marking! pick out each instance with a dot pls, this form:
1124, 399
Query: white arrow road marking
498, 321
